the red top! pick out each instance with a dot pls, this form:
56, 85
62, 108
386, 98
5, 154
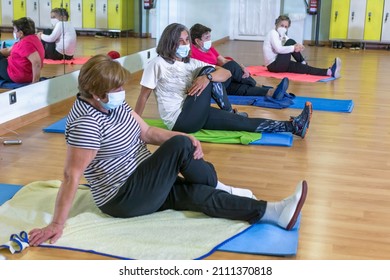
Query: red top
19, 67
209, 57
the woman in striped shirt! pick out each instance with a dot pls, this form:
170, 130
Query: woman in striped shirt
106, 143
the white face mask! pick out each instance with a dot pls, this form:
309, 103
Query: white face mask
115, 99
54, 21
15, 37
282, 31
183, 51
206, 45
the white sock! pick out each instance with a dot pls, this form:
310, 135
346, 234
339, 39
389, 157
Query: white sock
234, 191
273, 211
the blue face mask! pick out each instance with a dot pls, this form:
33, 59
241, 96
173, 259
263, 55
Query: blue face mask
115, 99
206, 45
183, 51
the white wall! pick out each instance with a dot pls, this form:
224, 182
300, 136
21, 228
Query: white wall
214, 14
39, 95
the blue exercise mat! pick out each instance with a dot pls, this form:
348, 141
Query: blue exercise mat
57, 127
321, 104
7, 191
260, 239
265, 239
12, 85
267, 139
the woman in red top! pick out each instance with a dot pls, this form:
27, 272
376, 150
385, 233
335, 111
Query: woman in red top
22, 63
241, 83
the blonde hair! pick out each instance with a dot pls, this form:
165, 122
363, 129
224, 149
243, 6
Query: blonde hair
99, 75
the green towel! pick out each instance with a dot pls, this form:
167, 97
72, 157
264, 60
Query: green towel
216, 136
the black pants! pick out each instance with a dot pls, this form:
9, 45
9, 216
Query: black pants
237, 85
3, 68
283, 63
197, 113
156, 186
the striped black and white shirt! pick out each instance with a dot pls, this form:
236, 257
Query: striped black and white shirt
116, 136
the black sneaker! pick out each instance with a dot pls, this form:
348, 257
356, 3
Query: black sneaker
301, 123
281, 89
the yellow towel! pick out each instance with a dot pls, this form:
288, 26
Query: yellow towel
163, 235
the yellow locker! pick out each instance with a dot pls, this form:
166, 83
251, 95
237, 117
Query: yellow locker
61, 4
19, 9
120, 14
373, 23
89, 14
1, 17
339, 16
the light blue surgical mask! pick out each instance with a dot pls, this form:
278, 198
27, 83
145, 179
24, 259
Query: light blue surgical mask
16, 37
183, 51
206, 45
115, 99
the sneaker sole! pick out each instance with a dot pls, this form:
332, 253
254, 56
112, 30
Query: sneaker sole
306, 128
285, 83
338, 68
301, 201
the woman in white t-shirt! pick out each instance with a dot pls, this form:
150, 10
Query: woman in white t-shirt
278, 49
61, 42
184, 87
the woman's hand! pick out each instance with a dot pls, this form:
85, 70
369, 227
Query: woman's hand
298, 47
198, 153
52, 232
198, 85
245, 71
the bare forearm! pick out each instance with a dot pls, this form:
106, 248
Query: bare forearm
157, 136
64, 202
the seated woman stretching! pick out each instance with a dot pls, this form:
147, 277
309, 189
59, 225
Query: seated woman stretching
106, 142
278, 49
22, 63
184, 88
241, 82
60, 43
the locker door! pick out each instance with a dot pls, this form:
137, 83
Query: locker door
61, 4
339, 20
117, 14
32, 11
44, 14
356, 19
89, 14
76, 11
386, 22
19, 9
7, 14
101, 14
373, 24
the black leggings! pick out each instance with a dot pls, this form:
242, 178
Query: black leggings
283, 63
3, 68
156, 186
197, 114
237, 85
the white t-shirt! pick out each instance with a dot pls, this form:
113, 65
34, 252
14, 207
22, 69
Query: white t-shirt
272, 46
170, 83
66, 41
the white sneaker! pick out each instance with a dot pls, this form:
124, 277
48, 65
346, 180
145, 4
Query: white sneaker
294, 203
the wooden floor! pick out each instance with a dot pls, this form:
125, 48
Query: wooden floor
345, 158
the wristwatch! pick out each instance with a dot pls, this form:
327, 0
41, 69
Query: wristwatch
209, 77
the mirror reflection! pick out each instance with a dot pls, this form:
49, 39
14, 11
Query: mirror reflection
102, 26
